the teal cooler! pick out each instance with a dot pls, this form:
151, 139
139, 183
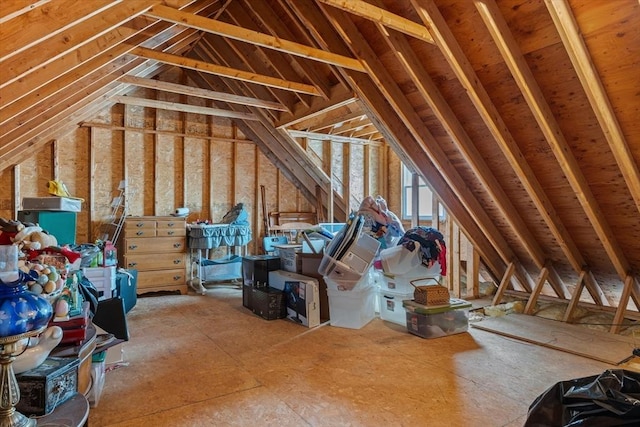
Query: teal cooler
61, 224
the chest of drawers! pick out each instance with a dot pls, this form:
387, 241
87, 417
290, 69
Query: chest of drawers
156, 247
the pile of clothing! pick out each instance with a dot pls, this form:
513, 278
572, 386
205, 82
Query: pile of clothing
379, 222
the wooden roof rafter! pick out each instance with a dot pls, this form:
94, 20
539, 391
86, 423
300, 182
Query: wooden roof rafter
444, 39
592, 84
44, 23
201, 93
551, 129
431, 94
266, 61
242, 34
21, 95
269, 19
59, 45
219, 50
423, 137
207, 67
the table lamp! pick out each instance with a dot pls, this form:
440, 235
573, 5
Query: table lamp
23, 315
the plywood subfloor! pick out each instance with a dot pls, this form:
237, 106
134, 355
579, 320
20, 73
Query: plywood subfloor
575, 339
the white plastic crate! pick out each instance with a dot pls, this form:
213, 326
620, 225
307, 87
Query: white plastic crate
391, 308
352, 309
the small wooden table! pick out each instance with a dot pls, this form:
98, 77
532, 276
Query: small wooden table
74, 413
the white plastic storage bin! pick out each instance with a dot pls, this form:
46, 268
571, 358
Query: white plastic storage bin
352, 309
103, 278
434, 322
396, 284
391, 308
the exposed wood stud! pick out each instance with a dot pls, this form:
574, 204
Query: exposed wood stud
627, 289
504, 283
575, 298
533, 299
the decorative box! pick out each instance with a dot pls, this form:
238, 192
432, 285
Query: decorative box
431, 295
52, 383
51, 203
109, 254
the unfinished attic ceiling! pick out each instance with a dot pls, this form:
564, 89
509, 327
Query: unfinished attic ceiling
522, 115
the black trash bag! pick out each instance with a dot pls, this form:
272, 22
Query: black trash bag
609, 399
89, 293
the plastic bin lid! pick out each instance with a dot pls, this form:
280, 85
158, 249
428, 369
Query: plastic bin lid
454, 304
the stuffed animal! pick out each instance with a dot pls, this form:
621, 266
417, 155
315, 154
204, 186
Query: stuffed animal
8, 230
33, 238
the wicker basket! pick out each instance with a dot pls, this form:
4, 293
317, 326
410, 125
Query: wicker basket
430, 294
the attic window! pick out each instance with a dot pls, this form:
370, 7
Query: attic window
425, 197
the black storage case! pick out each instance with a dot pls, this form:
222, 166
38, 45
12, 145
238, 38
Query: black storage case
255, 273
269, 303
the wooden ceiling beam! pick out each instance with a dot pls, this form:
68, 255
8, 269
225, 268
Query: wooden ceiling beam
221, 51
242, 34
219, 70
541, 110
573, 42
84, 32
91, 71
14, 8
322, 124
330, 137
339, 96
69, 68
185, 108
383, 17
201, 93
76, 108
27, 30
269, 19
452, 52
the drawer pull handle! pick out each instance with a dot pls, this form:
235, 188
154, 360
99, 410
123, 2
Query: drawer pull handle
177, 261
140, 224
139, 233
132, 247
171, 224
177, 245
177, 277
132, 264
170, 232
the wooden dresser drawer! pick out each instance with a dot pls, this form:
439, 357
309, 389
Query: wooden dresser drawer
154, 245
134, 225
159, 278
167, 232
142, 262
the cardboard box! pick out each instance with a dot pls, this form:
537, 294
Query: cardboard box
301, 294
310, 265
